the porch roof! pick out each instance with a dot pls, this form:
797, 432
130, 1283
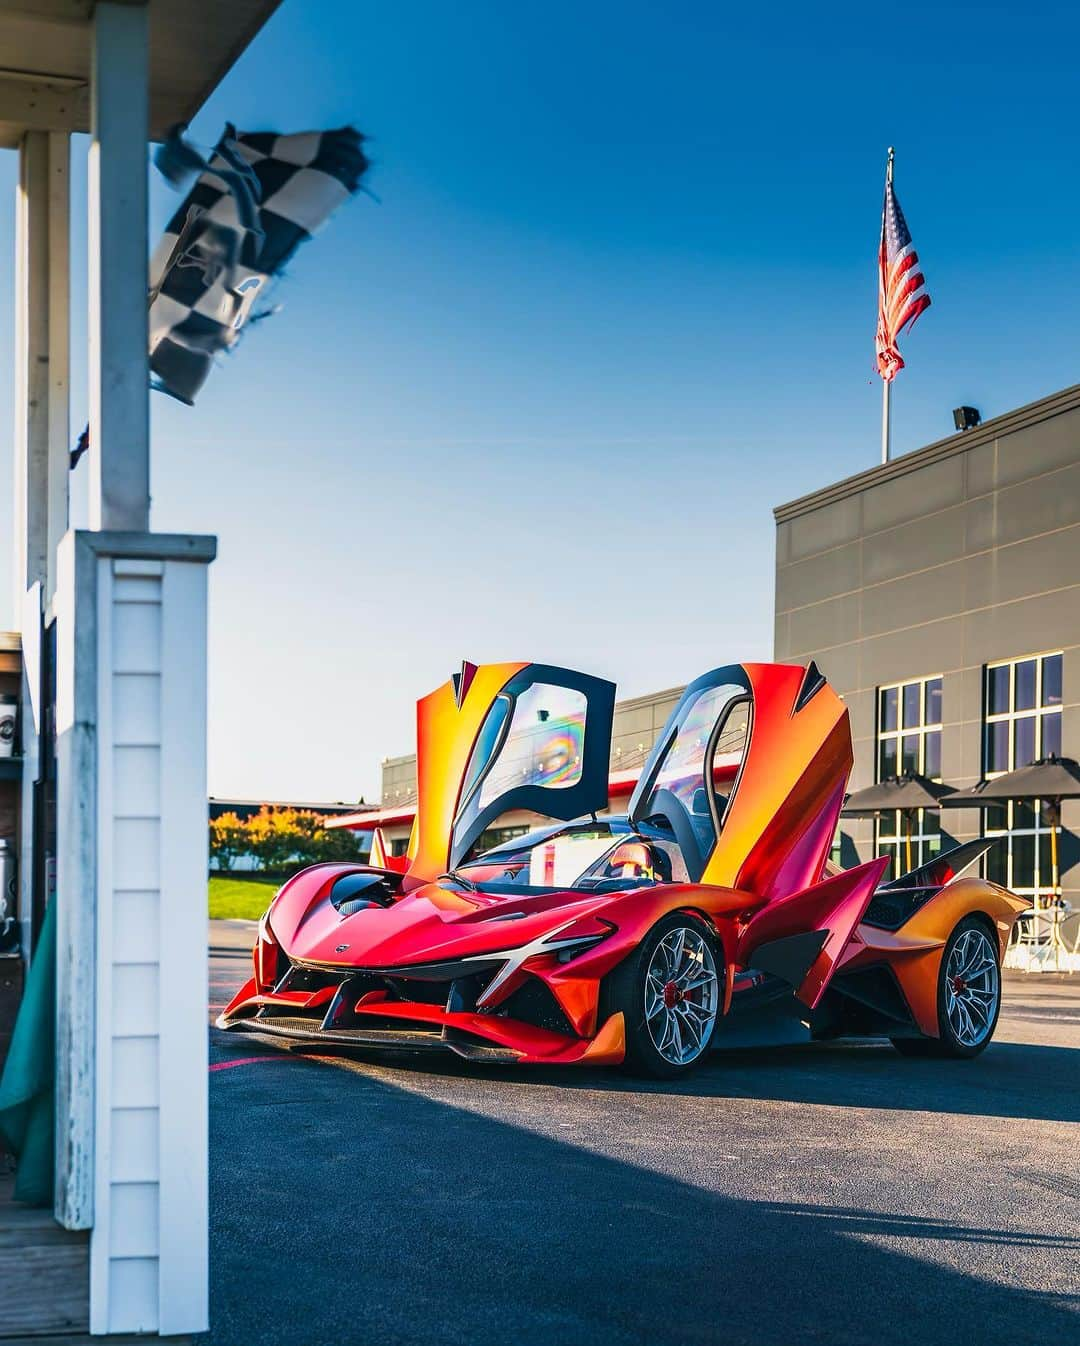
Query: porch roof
45, 61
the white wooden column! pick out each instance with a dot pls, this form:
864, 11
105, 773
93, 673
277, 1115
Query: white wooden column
58, 471
132, 993
31, 390
41, 432
117, 269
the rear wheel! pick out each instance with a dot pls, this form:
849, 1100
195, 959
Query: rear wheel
669, 992
969, 995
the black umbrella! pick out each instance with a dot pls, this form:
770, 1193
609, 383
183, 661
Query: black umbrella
907, 793
1052, 779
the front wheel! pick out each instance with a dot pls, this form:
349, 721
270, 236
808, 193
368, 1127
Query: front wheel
969, 996
669, 991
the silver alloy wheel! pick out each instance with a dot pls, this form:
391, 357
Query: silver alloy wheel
972, 987
682, 995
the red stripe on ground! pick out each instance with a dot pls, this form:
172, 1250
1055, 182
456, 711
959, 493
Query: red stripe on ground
284, 1056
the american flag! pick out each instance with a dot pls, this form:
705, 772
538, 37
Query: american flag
902, 292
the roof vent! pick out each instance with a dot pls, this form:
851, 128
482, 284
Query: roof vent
966, 418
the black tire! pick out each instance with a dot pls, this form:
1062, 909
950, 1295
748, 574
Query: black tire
625, 990
951, 1044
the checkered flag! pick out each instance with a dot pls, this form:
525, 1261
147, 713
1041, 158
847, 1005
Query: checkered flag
256, 199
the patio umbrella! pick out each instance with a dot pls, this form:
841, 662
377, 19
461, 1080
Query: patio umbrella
1052, 779
907, 793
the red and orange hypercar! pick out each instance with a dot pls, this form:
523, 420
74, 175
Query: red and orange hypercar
639, 939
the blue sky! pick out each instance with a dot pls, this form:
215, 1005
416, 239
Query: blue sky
615, 302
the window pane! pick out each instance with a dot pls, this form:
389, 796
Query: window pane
1051, 735
933, 701
543, 745
1051, 688
997, 859
888, 708
887, 759
887, 824
1023, 817
997, 746
997, 818
911, 705
1046, 875
890, 872
909, 760
931, 847
930, 825
932, 754
997, 690
1023, 857
1025, 685
1024, 741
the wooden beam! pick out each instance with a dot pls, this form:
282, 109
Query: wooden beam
50, 11
43, 103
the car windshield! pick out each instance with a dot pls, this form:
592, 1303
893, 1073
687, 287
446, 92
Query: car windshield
606, 854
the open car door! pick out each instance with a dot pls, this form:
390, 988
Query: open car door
498, 737
750, 772
691, 771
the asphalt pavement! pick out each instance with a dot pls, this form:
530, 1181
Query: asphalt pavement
834, 1194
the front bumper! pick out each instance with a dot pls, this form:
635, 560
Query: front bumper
346, 1008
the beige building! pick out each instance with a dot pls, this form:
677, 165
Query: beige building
940, 594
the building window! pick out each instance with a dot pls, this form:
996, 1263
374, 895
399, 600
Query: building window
496, 836
1023, 725
909, 743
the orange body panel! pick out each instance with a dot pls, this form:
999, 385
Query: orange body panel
782, 817
445, 734
914, 952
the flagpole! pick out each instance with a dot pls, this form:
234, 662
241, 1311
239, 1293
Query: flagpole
886, 428
886, 384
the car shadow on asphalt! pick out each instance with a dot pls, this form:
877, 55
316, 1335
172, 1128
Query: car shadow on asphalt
345, 1208
1008, 1080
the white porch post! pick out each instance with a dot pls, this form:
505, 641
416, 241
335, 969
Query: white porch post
41, 432
31, 364
130, 610
118, 268
131, 932
59, 432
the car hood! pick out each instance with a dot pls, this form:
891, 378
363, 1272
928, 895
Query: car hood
434, 923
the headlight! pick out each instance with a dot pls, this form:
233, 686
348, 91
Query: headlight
267, 954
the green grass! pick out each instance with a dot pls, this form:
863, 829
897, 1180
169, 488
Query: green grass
246, 899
